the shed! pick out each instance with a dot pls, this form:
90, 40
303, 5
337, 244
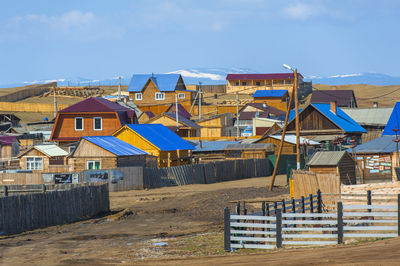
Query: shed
289, 143
44, 157
249, 151
157, 140
334, 162
108, 152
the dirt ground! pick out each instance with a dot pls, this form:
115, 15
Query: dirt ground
175, 226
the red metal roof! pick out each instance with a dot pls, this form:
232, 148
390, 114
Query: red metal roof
262, 76
7, 140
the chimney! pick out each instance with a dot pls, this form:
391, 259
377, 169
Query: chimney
375, 105
333, 107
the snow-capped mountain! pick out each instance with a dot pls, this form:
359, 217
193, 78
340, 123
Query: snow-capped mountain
214, 76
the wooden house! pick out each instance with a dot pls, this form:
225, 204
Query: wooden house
261, 125
9, 147
249, 83
145, 116
220, 125
159, 89
107, 152
334, 162
185, 129
343, 98
91, 117
44, 158
289, 144
181, 110
326, 122
157, 140
274, 98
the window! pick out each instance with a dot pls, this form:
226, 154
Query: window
258, 83
237, 83
97, 123
160, 96
288, 82
138, 96
34, 163
71, 148
283, 82
244, 83
78, 123
93, 165
181, 95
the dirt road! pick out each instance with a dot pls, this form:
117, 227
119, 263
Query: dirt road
176, 225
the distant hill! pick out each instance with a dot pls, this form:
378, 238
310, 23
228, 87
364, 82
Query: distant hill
361, 78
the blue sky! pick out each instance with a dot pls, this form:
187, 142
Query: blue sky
102, 39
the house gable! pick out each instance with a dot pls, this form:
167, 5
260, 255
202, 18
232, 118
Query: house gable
128, 135
88, 149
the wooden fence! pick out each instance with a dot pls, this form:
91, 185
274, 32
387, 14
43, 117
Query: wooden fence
294, 228
25, 208
304, 183
20, 178
205, 173
29, 107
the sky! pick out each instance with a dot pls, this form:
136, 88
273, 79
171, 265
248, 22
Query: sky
47, 39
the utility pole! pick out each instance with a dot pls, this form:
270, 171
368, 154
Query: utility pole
119, 88
176, 112
199, 99
55, 101
296, 106
237, 115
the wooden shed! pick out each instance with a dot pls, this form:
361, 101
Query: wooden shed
108, 152
44, 158
220, 125
334, 162
289, 143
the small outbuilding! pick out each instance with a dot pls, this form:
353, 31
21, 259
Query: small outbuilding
44, 158
334, 162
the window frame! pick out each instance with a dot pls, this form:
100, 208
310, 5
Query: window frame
94, 164
101, 123
159, 93
181, 95
138, 94
35, 158
83, 123
244, 83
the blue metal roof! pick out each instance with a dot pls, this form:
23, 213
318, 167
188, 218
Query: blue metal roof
383, 144
160, 136
115, 146
164, 82
341, 119
394, 121
269, 93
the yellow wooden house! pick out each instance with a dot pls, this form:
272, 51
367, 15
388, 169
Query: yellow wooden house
157, 140
185, 128
220, 125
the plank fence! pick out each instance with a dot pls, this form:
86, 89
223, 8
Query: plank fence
29, 207
293, 224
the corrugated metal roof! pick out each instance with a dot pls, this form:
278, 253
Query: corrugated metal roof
51, 150
343, 98
292, 139
262, 76
383, 144
7, 140
160, 136
394, 121
213, 145
252, 146
269, 93
183, 120
326, 158
164, 82
369, 116
115, 146
97, 104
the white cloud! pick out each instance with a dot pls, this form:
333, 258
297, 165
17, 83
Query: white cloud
196, 74
301, 11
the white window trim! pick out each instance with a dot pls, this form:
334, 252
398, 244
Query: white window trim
159, 93
92, 161
94, 123
181, 96
137, 98
83, 124
34, 168
71, 148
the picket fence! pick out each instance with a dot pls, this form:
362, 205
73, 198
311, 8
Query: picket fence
294, 228
205, 173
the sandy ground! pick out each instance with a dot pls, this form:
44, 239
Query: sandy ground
188, 220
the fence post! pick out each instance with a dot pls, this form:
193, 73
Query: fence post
303, 207
267, 211
283, 206
311, 204
227, 230
43, 188
263, 208
340, 222
319, 201
5, 191
278, 215
244, 208
293, 205
238, 208
275, 207
369, 199
398, 214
